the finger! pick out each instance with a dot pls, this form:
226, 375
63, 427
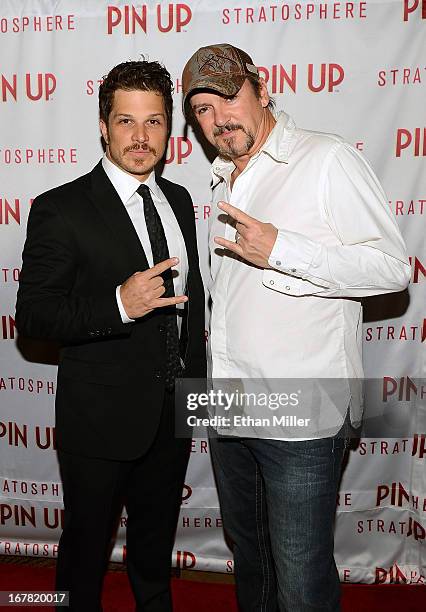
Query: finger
237, 214
162, 266
241, 229
156, 282
172, 301
227, 244
159, 291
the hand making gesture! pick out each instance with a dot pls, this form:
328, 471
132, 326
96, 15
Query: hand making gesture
254, 240
142, 292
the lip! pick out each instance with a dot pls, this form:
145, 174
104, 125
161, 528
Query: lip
140, 152
227, 134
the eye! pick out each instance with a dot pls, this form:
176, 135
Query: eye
154, 122
124, 121
201, 110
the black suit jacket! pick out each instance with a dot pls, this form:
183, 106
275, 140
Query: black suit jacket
80, 245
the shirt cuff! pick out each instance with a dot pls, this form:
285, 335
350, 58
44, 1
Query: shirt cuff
293, 253
123, 313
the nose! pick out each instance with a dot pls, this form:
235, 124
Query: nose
221, 116
140, 133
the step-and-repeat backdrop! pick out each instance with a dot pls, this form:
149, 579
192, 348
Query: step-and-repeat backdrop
353, 68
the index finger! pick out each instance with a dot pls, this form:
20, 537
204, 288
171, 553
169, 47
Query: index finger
170, 301
236, 213
162, 266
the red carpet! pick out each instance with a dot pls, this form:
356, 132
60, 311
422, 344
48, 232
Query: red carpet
194, 596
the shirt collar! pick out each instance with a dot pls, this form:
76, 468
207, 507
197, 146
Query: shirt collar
125, 184
278, 145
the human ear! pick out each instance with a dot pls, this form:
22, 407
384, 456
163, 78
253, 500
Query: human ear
104, 130
264, 95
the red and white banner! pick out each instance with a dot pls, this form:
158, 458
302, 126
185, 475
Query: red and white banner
352, 68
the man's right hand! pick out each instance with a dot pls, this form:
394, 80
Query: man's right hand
141, 293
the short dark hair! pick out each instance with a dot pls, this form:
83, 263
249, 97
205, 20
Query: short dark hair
137, 75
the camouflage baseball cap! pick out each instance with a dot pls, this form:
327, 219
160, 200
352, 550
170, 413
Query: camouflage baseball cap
221, 67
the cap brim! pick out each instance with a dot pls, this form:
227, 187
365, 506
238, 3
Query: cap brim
223, 85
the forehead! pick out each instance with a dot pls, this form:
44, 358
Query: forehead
137, 101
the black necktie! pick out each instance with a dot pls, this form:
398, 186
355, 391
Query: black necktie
160, 252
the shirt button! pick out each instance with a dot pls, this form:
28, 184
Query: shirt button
293, 270
277, 263
271, 282
161, 328
288, 287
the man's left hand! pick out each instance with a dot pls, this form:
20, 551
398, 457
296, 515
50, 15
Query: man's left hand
254, 239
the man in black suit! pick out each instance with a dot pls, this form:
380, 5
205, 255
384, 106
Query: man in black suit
97, 276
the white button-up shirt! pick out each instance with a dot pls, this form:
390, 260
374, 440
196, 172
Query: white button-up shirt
337, 239
126, 186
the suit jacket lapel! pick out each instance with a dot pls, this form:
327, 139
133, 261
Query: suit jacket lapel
111, 209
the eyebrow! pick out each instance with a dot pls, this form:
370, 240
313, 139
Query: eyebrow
209, 104
199, 104
127, 115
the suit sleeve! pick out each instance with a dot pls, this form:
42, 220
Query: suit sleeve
47, 305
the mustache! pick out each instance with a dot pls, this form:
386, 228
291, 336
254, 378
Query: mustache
138, 147
229, 127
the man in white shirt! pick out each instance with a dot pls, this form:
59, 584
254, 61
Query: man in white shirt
96, 276
300, 231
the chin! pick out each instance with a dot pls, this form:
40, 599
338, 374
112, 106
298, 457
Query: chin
231, 154
142, 170
144, 164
